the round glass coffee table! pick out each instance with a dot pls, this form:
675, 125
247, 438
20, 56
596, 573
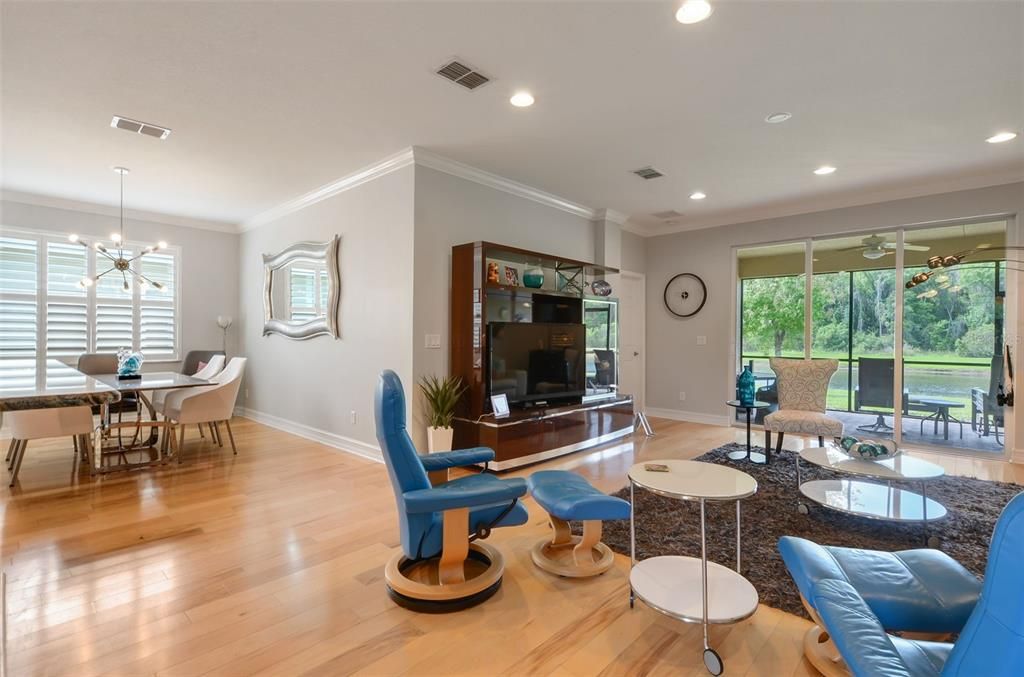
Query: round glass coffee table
871, 499
739, 455
692, 589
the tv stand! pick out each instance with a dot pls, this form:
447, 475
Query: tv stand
532, 435
540, 430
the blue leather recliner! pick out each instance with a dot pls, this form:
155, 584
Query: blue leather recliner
439, 568
990, 643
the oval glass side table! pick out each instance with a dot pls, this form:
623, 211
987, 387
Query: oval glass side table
669, 584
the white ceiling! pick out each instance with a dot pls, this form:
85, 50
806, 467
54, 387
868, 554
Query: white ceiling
268, 101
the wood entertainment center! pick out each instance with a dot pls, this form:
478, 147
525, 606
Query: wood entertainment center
586, 412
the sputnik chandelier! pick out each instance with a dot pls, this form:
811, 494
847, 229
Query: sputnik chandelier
120, 264
937, 264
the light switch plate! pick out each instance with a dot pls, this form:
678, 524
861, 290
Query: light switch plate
433, 341
702, 340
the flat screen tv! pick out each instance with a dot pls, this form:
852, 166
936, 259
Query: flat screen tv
536, 362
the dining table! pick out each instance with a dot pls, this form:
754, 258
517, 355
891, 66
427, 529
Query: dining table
45, 383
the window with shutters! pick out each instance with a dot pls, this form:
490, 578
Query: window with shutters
305, 289
45, 311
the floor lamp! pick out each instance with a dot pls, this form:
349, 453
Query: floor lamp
224, 321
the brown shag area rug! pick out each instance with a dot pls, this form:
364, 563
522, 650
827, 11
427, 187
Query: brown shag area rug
670, 527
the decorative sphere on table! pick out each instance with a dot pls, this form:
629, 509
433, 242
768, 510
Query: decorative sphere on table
128, 362
745, 390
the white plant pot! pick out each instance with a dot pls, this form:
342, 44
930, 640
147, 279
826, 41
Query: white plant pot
439, 439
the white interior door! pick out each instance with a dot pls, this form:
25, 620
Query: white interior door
632, 337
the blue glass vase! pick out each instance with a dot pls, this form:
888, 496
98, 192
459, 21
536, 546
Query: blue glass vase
745, 387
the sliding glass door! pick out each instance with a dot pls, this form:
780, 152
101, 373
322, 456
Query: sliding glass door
853, 319
936, 386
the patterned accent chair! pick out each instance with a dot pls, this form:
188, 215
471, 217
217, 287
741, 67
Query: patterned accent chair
803, 390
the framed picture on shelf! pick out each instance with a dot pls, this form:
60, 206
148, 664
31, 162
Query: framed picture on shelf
511, 276
499, 403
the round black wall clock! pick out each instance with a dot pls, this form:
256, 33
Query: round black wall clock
685, 295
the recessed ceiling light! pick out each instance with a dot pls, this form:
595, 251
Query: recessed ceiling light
521, 99
693, 11
697, 196
776, 118
824, 169
1002, 137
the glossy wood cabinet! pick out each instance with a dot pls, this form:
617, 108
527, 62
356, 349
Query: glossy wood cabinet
541, 432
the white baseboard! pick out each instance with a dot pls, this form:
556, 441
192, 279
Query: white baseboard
347, 444
688, 416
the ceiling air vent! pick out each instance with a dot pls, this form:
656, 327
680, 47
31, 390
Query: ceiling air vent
461, 74
648, 173
129, 125
668, 215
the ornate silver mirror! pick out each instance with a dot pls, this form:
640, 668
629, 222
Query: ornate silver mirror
302, 289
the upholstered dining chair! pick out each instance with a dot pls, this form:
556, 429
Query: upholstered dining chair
37, 424
803, 392
439, 566
213, 404
209, 370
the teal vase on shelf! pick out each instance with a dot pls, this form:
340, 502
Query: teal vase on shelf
745, 387
533, 277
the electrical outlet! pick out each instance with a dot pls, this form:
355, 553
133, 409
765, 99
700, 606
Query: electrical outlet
702, 340
682, 395
352, 416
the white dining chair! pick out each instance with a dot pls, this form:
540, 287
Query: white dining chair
37, 424
208, 372
214, 404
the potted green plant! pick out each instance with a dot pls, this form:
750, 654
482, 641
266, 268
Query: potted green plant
441, 396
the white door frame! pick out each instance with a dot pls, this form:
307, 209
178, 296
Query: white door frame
641, 310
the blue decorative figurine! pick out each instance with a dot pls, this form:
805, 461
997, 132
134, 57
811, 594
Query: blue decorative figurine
128, 363
745, 390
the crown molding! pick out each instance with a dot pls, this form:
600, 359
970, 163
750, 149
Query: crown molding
615, 217
426, 158
53, 202
376, 170
846, 199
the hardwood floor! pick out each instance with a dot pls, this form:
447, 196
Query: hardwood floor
271, 563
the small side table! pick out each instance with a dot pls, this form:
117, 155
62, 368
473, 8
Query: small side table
739, 455
692, 589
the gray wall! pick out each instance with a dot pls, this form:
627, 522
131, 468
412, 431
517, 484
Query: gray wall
706, 373
451, 211
313, 385
634, 253
206, 256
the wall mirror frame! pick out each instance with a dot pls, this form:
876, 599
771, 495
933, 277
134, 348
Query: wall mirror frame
274, 267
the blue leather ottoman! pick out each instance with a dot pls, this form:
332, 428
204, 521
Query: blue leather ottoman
923, 591
567, 497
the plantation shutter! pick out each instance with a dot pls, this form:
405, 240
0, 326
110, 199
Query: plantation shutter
113, 327
18, 297
67, 308
302, 294
157, 313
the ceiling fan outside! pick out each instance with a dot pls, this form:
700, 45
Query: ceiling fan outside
875, 247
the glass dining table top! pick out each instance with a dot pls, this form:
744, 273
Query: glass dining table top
157, 380
29, 383
32, 383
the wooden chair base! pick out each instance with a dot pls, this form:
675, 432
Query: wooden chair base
573, 556
822, 653
561, 559
416, 585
